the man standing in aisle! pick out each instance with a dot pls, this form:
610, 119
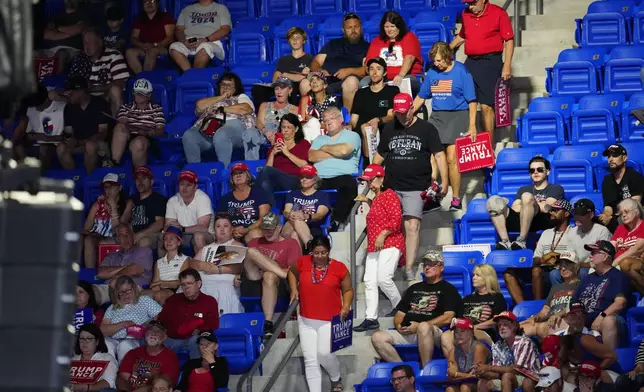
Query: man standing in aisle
487, 34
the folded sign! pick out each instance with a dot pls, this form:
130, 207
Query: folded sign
86, 372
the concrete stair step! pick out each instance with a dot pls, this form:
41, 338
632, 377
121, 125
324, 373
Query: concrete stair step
532, 60
554, 37
550, 7
297, 382
562, 20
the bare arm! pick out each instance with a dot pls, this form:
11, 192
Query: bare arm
347, 291
378, 159
408, 61
241, 109
171, 222
441, 160
127, 214
617, 306
261, 113
134, 38
222, 32
443, 320
342, 150
169, 35
108, 328
508, 47
473, 107
318, 155
205, 103
457, 42
608, 355
634, 251
180, 33
156, 227
203, 222
89, 221
318, 62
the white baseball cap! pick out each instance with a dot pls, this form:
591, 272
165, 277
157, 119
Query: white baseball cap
143, 86
110, 177
547, 376
572, 256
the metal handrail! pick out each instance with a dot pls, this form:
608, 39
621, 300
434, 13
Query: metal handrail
516, 26
279, 326
354, 245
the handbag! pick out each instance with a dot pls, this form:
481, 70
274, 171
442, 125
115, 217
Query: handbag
211, 124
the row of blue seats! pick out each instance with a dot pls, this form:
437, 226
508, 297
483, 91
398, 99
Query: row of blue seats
579, 72
610, 23
555, 121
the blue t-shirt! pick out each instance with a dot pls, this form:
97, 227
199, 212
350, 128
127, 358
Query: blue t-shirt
243, 212
451, 90
308, 204
597, 292
115, 39
334, 167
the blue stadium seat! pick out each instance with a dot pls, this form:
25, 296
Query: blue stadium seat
412, 5
371, 27
546, 123
577, 72
476, 225
280, 43
92, 184
590, 152
254, 74
631, 131
236, 344
501, 260
527, 309
605, 24
187, 95
321, 8
430, 31
240, 9
626, 358
210, 178
635, 323
637, 36
165, 180
432, 375
511, 170
248, 49
279, 9
633, 148
469, 259
210, 75
76, 175
253, 322
89, 275
382, 370
460, 277
330, 29
622, 70
179, 5
597, 119
595, 197
602, 170
576, 175
367, 7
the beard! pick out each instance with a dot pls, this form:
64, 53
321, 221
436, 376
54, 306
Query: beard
353, 40
152, 341
615, 168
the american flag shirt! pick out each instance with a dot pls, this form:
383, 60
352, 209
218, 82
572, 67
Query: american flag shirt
108, 68
523, 353
449, 90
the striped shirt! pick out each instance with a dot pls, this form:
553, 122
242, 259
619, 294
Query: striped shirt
169, 270
523, 353
640, 354
150, 117
108, 68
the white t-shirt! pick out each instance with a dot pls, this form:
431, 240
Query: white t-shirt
551, 241
170, 270
49, 122
109, 374
188, 215
578, 239
201, 21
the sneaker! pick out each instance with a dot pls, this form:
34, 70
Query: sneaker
503, 245
409, 274
455, 205
392, 313
519, 244
268, 330
367, 325
431, 205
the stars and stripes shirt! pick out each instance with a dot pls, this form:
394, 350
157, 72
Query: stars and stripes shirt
640, 354
523, 353
150, 117
441, 86
108, 68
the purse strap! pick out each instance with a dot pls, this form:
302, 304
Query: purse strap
206, 121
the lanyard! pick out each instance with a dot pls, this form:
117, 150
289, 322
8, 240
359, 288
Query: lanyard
554, 245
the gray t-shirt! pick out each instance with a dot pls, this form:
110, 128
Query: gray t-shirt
201, 21
579, 239
559, 297
551, 241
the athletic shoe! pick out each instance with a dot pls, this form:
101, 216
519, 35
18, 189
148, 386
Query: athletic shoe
367, 325
504, 245
519, 244
455, 205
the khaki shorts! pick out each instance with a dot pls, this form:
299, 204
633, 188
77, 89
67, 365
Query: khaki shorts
497, 382
413, 338
213, 49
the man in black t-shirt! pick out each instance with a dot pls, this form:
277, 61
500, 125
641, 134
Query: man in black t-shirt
405, 148
529, 210
148, 214
425, 308
622, 183
373, 106
86, 126
341, 60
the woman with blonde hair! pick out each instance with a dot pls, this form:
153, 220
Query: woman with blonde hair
480, 307
450, 87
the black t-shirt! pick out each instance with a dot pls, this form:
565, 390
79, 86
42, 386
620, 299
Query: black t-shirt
423, 301
290, 64
85, 122
407, 154
482, 307
367, 104
341, 54
551, 190
632, 184
64, 19
145, 211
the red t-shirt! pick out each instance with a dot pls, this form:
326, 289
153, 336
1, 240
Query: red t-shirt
285, 252
624, 239
486, 33
408, 45
201, 382
323, 300
142, 366
386, 213
179, 312
282, 163
154, 30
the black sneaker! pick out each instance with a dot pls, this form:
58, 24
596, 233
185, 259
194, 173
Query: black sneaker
392, 313
431, 205
503, 245
268, 330
519, 244
367, 325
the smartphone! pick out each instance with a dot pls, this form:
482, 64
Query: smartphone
405, 323
193, 40
279, 137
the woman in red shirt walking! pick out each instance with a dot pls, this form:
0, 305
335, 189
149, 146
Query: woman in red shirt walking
385, 245
323, 286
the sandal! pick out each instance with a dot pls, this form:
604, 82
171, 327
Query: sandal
336, 386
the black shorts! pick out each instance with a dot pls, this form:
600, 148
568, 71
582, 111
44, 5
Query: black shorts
253, 288
486, 71
540, 222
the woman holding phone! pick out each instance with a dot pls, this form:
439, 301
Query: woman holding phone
323, 286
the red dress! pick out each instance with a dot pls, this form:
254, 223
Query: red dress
386, 213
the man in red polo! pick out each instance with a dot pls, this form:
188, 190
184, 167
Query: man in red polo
487, 33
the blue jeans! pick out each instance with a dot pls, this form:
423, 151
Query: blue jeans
225, 139
189, 344
272, 179
555, 276
253, 140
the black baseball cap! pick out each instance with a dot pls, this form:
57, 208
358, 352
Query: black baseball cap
76, 83
379, 60
114, 13
614, 149
584, 206
602, 245
209, 336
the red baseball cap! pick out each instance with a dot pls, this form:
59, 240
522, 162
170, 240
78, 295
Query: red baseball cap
506, 315
590, 369
372, 171
402, 102
239, 166
308, 170
143, 170
188, 175
464, 323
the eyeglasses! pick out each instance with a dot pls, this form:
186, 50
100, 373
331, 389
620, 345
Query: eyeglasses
539, 169
125, 292
86, 340
327, 119
398, 379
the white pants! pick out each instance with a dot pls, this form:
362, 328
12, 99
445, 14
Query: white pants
119, 347
212, 49
315, 338
379, 272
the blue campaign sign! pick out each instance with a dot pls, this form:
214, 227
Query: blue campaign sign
83, 316
341, 332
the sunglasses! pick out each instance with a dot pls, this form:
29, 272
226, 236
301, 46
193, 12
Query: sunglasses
533, 170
